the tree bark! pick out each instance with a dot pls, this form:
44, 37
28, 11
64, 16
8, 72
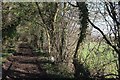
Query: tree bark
83, 16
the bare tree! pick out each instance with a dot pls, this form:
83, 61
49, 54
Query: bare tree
111, 9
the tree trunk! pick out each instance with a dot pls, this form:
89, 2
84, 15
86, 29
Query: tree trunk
119, 65
41, 39
83, 16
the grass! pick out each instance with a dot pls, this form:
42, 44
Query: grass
4, 56
98, 57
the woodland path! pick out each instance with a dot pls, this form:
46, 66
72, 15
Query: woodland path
23, 67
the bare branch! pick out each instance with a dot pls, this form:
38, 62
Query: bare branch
112, 13
40, 12
73, 4
108, 42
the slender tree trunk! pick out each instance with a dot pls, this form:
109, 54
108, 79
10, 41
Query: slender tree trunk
49, 46
42, 39
119, 65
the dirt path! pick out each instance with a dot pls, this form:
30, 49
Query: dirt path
24, 67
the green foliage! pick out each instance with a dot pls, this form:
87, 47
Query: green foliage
40, 52
17, 14
99, 58
58, 72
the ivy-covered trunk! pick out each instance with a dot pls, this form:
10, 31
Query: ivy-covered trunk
83, 17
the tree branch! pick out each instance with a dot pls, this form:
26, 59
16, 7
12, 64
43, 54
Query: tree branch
108, 42
40, 12
73, 4
112, 13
